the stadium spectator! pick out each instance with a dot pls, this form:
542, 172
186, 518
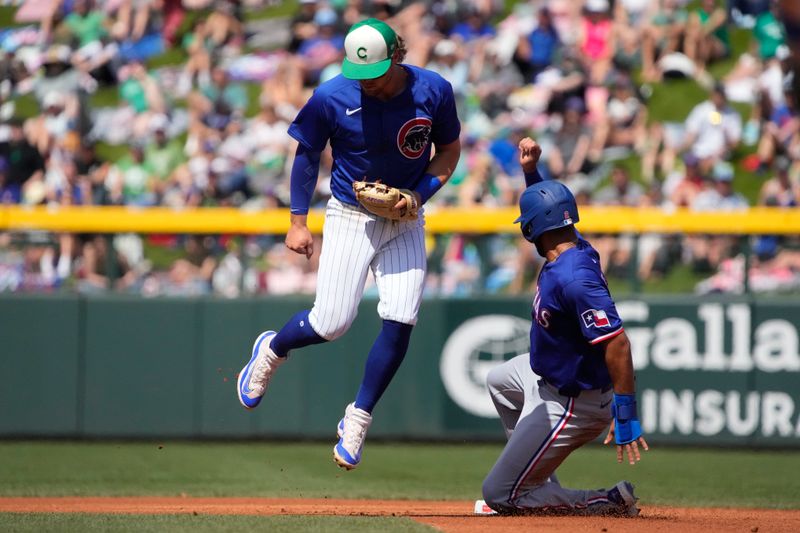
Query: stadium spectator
285, 87
221, 89
59, 119
624, 123
461, 266
449, 64
323, 48
95, 170
270, 146
484, 185
25, 163
130, 181
224, 30
597, 40
621, 191
769, 33
286, 273
781, 129
709, 251
722, 197
162, 156
536, 51
713, 129
93, 267
571, 143
663, 35
474, 27
630, 21
10, 193
86, 23
781, 190
707, 38
302, 25
553, 67
615, 250
199, 46
142, 94
683, 187
493, 82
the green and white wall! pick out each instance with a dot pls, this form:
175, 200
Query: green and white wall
721, 372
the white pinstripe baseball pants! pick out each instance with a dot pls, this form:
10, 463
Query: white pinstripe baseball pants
355, 241
543, 428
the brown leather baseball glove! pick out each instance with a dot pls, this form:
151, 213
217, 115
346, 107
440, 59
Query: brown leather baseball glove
380, 199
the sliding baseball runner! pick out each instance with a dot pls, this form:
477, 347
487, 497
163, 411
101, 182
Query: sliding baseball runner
576, 380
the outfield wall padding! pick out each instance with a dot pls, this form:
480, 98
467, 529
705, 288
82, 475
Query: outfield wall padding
710, 371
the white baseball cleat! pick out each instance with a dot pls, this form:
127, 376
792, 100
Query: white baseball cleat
352, 430
482, 509
255, 376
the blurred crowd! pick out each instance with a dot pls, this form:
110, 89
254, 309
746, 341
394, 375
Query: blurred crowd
117, 122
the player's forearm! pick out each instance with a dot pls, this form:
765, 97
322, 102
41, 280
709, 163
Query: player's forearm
444, 162
620, 364
439, 170
305, 171
531, 175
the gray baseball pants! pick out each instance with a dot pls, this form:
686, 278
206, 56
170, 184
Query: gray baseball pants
543, 427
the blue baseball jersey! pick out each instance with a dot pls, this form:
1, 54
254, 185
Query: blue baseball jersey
572, 314
373, 139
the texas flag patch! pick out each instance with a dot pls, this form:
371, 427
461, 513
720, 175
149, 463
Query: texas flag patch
595, 318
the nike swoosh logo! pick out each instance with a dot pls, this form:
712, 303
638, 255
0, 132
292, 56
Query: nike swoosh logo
349, 111
602, 405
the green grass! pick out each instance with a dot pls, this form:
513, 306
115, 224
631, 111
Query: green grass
282, 9
7, 17
190, 523
668, 476
672, 100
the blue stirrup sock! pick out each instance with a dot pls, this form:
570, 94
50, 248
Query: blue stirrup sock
383, 361
297, 333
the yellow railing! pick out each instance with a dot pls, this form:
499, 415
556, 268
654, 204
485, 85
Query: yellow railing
451, 220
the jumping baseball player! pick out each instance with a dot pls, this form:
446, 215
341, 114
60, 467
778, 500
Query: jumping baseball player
381, 118
578, 376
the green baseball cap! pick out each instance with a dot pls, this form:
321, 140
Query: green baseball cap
368, 47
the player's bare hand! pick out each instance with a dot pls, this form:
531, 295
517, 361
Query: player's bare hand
529, 154
402, 204
299, 239
631, 449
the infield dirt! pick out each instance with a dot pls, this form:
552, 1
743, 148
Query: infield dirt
448, 516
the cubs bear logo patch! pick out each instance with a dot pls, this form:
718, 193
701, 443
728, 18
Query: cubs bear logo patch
413, 137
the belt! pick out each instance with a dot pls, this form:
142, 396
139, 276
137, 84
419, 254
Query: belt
573, 391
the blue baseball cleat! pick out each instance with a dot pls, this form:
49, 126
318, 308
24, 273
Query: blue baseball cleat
352, 430
255, 376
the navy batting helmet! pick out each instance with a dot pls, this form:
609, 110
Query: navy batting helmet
545, 206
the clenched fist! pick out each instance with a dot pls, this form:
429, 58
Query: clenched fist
529, 154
